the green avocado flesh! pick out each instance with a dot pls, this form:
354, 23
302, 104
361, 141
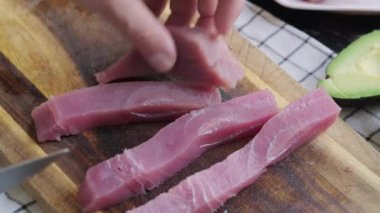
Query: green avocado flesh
355, 72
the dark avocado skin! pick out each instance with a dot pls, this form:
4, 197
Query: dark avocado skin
365, 101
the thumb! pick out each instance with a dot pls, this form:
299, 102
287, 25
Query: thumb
149, 36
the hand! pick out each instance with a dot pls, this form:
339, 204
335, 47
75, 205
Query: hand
138, 20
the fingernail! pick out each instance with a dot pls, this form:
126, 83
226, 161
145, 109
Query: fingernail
162, 61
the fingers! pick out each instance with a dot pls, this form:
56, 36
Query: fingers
156, 6
226, 13
182, 12
207, 9
218, 16
150, 38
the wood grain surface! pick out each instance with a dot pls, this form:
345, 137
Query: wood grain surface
54, 47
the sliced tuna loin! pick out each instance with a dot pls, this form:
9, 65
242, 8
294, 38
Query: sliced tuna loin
173, 148
129, 66
203, 60
117, 103
207, 190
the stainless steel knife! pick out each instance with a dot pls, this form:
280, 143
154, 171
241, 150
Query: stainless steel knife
13, 175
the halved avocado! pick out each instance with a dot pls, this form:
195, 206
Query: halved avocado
353, 76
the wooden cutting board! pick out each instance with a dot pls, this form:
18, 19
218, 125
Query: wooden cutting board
51, 47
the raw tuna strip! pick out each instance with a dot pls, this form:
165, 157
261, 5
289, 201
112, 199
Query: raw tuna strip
130, 65
203, 60
173, 148
207, 190
117, 103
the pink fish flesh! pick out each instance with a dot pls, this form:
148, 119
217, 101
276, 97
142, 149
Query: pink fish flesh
203, 60
117, 103
173, 148
207, 190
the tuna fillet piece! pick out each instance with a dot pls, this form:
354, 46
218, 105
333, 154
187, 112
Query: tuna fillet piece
173, 148
203, 59
117, 103
207, 190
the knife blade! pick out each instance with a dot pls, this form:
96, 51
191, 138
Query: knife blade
13, 175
